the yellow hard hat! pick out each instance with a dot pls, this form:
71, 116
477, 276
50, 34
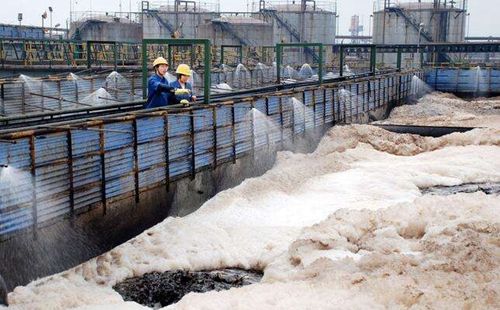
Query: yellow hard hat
160, 61
183, 69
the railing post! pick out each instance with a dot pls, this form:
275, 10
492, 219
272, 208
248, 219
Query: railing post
320, 70
69, 140
103, 169
167, 151
279, 49
34, 207
398, 62
207, 78
373, 59
341, 61
136, 161
144, 69
89, 54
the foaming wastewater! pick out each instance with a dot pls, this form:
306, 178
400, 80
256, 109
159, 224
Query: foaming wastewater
347, 225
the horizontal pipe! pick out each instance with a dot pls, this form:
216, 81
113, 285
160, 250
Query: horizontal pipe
86, 128
8, 141
178, 108
61, 99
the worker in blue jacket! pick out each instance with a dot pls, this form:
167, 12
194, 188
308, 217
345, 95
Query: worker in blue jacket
160, 94
184, 91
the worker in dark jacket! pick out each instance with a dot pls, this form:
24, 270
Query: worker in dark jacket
159, 92
184, 90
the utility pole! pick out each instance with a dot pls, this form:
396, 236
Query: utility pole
50, 31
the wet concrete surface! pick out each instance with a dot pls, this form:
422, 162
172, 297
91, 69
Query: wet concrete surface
162, 289
487, 188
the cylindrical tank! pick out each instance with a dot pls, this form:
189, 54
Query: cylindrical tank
431, 21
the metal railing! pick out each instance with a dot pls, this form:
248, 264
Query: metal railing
72, 167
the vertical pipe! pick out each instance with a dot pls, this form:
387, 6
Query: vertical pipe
233, 133
2, 97
314, 107
207, 77
76, 91
293, 123
59, 95
136, 161
167, 160
333, 106
373, 59
337, 100
421, 59
69, 140
34, 207
324, 106
267, 125
23, 99
42, 99
304, 111
115, 56
341, 61
278, 62
282, 125
369, 93
357, 101
320, 72
214, 128
89, 54
252, 128
144, 69
132, 94
221, 54
384, 94
193, 154
398, 63
103, 169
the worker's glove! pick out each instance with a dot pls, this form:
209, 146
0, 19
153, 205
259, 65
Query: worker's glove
182, 91
185, 103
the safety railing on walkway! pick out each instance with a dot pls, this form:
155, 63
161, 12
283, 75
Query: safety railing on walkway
50, 172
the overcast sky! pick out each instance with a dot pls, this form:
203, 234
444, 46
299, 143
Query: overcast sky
484, 13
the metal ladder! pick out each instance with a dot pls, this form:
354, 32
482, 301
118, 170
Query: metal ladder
225, 26
410, 19
162, 22
289, 27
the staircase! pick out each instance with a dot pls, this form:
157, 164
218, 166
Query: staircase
410, 19
289, 27
77, 34
162, 22
227, 27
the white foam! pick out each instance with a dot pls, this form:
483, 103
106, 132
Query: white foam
345, 225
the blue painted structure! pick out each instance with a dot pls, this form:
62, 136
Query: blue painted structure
101, 161
25, 32
464, 80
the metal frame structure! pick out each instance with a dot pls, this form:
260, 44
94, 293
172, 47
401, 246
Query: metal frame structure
180, 42
279, 53
223, 47
97, 162
90, 44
